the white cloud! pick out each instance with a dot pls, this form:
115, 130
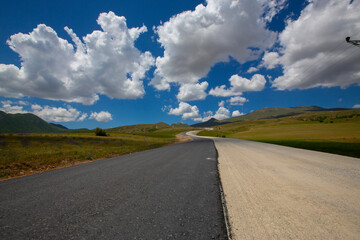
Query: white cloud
221, 103
221, 113
223, 92
186, 111
24, 103
313, 48
270, 60
82, 117
239, 85
57, 114
104, 62
190, 91
8, 107
237, 100
356, 106
237, 113
252, 69
102, 116
194, 41
36, 107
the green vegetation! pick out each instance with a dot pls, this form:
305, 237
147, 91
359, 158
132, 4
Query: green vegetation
100, 132
139, 128
22, 154
328, 131
273, 112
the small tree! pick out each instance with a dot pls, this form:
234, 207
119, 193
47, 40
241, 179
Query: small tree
100, 132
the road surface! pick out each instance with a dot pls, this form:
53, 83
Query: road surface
165, 193
276, 192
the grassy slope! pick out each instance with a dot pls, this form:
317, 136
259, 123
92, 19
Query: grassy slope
22, 154
272, 112
264, 113
139, 128
335, 131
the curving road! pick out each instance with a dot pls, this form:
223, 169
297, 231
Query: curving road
165, 193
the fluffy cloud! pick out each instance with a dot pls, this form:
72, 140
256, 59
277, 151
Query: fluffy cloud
236, 113
252, 69
54, 114
194, 41
103, 62
356, 106
58, 114
190, 91
270, 60
239, 85
101, 116
313, 48
221, 113
237, 100
272, 7
186, 111
8, 107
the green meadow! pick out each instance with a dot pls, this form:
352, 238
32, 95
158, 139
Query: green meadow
332, 131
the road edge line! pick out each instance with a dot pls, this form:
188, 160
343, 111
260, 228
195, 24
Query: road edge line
223, 200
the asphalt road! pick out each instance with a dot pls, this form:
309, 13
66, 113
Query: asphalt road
277, 192
165, 193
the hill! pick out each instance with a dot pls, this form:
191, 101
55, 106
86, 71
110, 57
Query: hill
267, 113
273, 112
25, 123
179, 125
139, 128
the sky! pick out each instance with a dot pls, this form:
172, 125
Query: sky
87, 64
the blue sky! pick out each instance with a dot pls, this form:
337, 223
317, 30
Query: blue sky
175, 61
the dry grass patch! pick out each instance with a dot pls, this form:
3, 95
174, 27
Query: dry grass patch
23, 154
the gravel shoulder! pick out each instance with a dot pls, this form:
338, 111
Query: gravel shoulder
276, 192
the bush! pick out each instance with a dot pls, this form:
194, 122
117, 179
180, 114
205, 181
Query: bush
100, 132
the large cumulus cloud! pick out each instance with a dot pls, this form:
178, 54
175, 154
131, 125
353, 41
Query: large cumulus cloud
239, 85
313, 49
103, 62
194, 41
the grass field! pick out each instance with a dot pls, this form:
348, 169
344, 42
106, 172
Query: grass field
23, 154
335, 132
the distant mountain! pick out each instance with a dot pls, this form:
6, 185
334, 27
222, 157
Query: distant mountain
266, 113
210, 123
139, 128
59, 125
25, 123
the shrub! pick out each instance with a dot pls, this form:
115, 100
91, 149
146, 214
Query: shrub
100, 132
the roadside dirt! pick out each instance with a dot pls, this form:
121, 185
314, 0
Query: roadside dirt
275, 192
182, 138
